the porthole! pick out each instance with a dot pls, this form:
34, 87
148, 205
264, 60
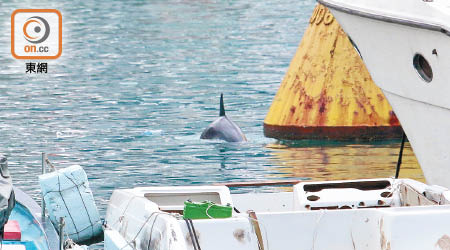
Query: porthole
423, 68
313, 198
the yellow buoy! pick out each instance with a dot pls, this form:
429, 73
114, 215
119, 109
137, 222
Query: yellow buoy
327, 92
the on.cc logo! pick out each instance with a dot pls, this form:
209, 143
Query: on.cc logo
36, 29
36, 34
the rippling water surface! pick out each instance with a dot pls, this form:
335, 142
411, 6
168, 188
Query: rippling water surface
139, 80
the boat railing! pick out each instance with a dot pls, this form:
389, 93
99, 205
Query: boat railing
259, 183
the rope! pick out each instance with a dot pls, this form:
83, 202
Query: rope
78, 231
130, 243
75, 226
395, 189
209, 206
193, 234
400, 155
84, 204
49, 163
157, 213
151, 232
140, 229
126, 207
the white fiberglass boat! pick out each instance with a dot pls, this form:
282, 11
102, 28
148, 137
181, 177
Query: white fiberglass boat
361, 214
405, 45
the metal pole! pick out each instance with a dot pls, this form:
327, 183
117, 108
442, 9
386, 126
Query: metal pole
256, 227
43, 201
61, 233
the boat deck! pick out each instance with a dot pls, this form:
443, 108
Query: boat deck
359, 214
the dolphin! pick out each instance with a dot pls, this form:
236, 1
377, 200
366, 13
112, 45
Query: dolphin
223, 128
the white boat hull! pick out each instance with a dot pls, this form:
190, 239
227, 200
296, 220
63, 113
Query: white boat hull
428, 135
388, 35
365, 214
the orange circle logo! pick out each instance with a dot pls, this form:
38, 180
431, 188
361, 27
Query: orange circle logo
36, 29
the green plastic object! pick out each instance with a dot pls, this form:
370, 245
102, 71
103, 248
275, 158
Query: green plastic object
205, 210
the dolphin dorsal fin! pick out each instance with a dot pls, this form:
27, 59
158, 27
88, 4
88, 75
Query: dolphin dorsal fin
222, 108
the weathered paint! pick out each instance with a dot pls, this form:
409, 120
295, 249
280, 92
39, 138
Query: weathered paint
327, 92
444, 242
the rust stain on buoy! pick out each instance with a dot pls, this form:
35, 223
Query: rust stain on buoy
327, 92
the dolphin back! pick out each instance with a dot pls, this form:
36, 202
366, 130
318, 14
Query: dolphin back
223, 129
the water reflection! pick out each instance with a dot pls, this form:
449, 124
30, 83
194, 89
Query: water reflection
338, 161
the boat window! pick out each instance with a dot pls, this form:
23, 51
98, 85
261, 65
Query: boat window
423, 68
